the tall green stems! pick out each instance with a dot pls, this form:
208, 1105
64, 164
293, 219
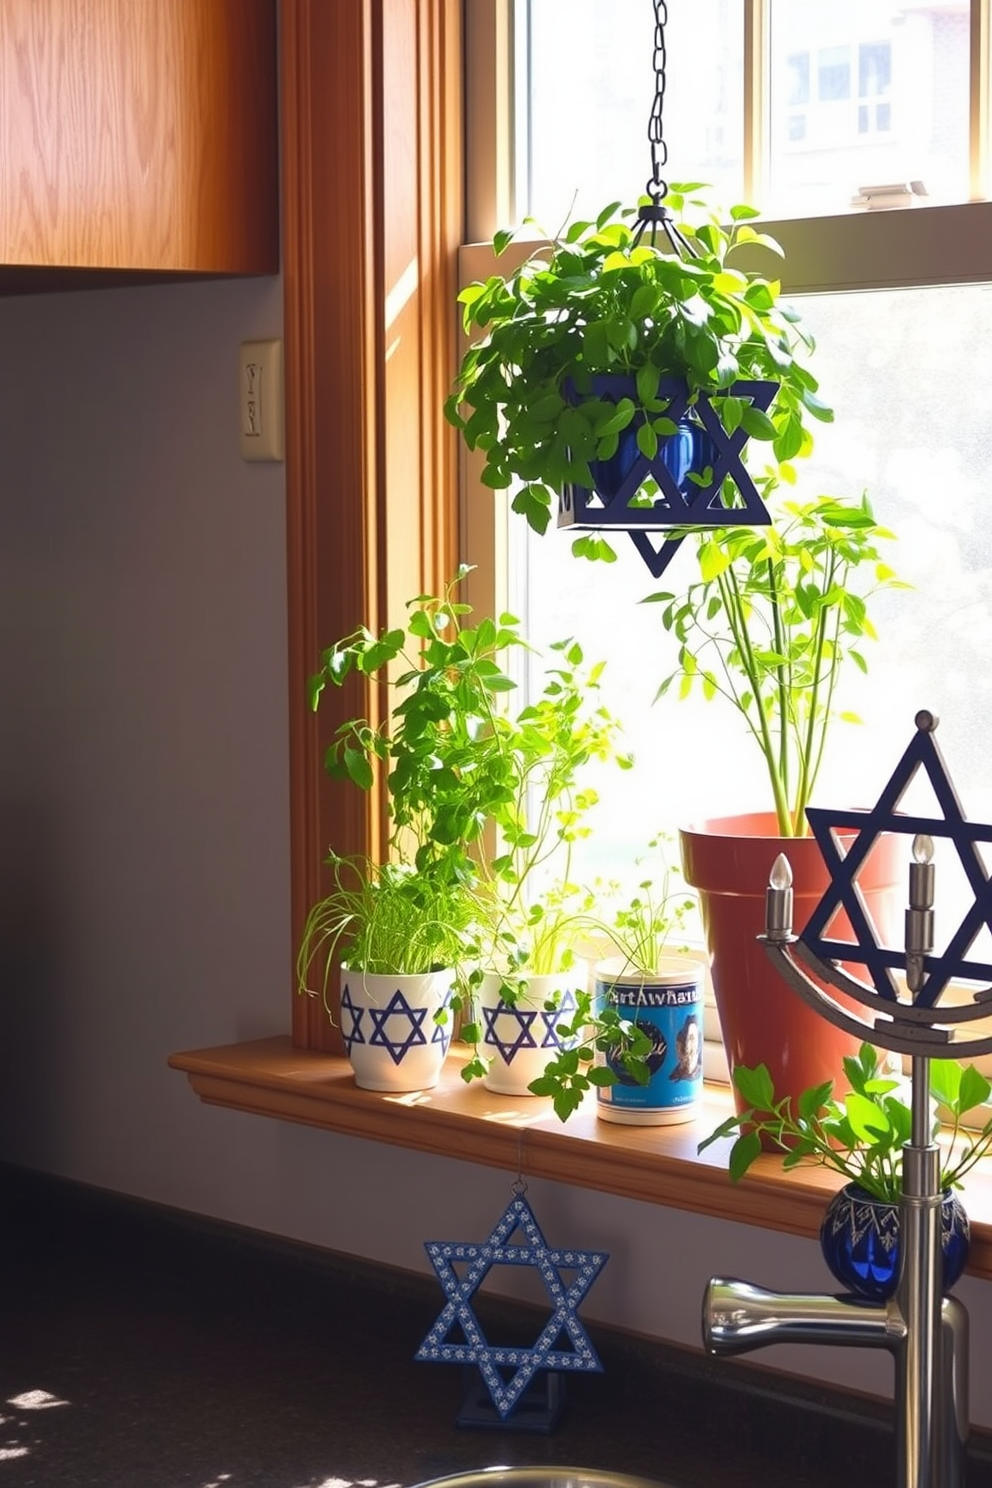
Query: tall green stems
772, 617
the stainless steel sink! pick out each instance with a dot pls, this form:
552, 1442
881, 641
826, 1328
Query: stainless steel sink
540, 1477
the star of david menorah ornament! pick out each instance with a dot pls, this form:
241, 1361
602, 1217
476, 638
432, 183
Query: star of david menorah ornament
897, 1004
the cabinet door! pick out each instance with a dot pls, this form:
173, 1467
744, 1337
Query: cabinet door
139, 135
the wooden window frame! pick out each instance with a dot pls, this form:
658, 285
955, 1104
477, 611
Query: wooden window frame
372, 220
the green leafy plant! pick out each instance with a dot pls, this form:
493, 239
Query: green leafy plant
861, 1134
577, 1068
601, 299
438, 754
459, 763
768, 624
382, 918
597, 1039
528, 907
529, 911
438, 747
647, 920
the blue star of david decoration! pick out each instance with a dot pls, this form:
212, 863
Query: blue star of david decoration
410, 1021
562, 1013
351, 1021
680, 504
521, 1021
491, 1359
922, 753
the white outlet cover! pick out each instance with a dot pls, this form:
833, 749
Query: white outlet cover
260, 400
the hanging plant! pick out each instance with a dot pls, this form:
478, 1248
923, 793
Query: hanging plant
606, 300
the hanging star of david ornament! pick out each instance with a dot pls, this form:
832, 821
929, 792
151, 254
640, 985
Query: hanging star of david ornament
909, 1015
684, 485
562, 1343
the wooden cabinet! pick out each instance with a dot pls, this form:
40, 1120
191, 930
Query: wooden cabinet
138, 140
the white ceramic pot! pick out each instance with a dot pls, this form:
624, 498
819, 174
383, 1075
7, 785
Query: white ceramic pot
520, 1038
389, 1029
668, 1006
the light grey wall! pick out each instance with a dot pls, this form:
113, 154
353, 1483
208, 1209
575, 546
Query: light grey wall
144, 827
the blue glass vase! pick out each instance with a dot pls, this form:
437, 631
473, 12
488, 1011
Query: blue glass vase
859, 1238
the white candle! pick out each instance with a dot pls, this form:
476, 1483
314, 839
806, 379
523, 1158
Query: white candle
778, 901
919, 915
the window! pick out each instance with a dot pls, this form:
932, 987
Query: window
863, 93
902, 319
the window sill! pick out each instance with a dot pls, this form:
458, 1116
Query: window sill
658, 1165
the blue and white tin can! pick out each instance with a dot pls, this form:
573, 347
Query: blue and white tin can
667, 1005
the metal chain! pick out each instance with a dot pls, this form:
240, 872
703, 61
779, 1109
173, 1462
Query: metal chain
657, 187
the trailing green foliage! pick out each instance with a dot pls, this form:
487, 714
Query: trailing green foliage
598, 300
573, 1071
860, 1135
774, 614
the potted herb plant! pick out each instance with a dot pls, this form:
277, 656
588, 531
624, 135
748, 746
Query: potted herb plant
438, 754
768, 623
636, 1038
586, 350
657, 986
860, 1135
528, 911
398, 935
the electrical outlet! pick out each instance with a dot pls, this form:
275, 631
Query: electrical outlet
260, 400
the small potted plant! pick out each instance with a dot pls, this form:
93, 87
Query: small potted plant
398, 935
603, 345
636, 1038
439, 756
860, 1135
768, 623
528, 911
654, 984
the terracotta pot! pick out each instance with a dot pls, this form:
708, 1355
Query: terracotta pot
728, 860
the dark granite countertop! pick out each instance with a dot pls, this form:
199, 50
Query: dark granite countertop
189, 1353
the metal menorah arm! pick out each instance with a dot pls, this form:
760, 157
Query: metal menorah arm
902, 1027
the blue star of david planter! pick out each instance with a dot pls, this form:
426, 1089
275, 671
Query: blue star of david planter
683, 487
508, 1371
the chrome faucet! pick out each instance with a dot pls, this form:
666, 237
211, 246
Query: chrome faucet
926, 1332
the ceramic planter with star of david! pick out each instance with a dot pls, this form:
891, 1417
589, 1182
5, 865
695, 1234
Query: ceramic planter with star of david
520, 1037
390, 1031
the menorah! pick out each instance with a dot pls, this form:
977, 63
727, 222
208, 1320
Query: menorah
926, 1332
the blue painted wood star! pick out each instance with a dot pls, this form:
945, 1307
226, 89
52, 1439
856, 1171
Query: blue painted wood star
507, 1371
843, 868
